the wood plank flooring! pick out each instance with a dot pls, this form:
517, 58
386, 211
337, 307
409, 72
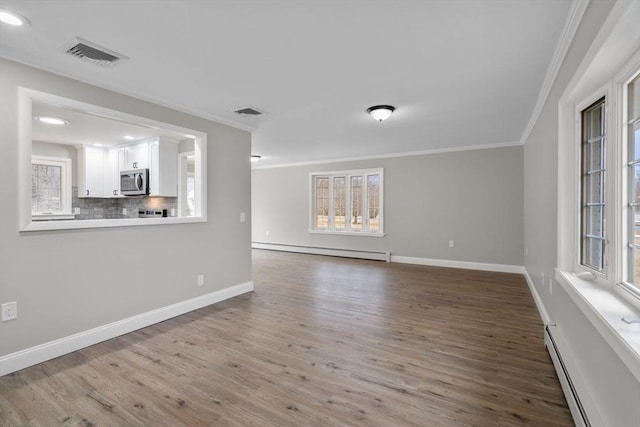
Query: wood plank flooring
321, 341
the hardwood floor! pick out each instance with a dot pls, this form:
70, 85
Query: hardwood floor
321, 341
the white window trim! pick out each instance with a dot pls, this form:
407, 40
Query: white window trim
26, 220
65, 187
347, 174
603, 299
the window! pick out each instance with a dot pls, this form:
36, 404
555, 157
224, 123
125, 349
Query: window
50, 186
632, 125
348, 202
593, 186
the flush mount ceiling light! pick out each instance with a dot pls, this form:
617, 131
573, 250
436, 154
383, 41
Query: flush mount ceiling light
52, 120
380, 112
12, 18
128, 137
255, 158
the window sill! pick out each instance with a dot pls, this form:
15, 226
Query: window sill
347, 233
108, 223
605, 311
51, 217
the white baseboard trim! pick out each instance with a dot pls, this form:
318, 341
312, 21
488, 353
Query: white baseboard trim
42, 352
546, 319
500, 268
346, 253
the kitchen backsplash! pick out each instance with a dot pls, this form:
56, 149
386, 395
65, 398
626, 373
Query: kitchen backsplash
94, 208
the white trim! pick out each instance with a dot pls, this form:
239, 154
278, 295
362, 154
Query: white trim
27, 96
345, 253
499, 268
348, 233
605, 312
392, 155
546, 319
43, 352
576, 12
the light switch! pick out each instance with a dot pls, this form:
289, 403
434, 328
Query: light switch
243, 217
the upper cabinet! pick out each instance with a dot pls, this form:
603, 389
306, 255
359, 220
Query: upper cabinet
91, 171
163, 168
136, 156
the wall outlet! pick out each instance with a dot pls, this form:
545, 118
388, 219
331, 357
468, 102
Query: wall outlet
550, 286
268, 233
9, 311
452, 243
76, 211
542, 274
526, 251
243, 217
200, 281
124, 211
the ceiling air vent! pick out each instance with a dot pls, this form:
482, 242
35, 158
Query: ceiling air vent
249, 112
93, 53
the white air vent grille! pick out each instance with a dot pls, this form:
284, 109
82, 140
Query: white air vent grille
249, 112
93, 53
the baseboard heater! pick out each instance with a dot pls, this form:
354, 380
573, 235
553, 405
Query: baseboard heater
573, 400
347, 253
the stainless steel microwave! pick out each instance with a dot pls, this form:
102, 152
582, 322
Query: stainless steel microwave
134, 182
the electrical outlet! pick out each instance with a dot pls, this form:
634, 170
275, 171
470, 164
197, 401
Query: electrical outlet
200, 280
452, 243
526, 251
9, 311
243, 217
268, 233
76, 211
124, 211
550, 286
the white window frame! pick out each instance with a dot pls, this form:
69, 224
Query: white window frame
603, 297
65, 187
365, 173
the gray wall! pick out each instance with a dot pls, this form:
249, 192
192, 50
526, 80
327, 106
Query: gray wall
472, 197
610, 382
70, 281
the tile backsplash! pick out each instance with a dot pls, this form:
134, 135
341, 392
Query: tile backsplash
111, 208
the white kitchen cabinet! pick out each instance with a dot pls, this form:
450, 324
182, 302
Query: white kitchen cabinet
115, 159
163, 168
136, 156
91, 171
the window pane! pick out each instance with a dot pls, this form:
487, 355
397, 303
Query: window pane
633, 185
356, 203
339, 203
322, 202
373, 198
593, 185
46, 188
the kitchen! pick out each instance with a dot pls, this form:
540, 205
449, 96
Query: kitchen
90, 166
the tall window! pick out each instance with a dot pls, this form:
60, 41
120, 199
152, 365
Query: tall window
593, 186
633, 145
348, 201
50, 185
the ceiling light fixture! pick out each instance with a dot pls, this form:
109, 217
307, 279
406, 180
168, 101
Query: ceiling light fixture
12, 18
52, 120
255, 158
128, 137
380, 112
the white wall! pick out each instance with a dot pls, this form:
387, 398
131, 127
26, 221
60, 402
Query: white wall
607, 381
472, 197
67, 282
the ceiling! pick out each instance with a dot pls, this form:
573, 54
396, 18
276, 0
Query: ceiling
461, 73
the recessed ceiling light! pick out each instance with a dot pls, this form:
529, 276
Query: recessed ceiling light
52, 120
98, 145
12, 18
128, 137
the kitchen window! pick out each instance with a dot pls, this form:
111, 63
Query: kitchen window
347, 202
50, 188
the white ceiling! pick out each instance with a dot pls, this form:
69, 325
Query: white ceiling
460, 72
